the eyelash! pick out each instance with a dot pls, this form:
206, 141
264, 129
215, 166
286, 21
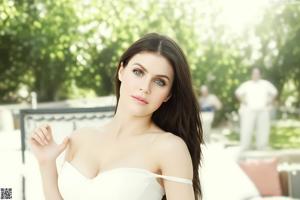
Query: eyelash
140, 73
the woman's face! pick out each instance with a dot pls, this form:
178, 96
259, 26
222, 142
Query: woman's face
146, 83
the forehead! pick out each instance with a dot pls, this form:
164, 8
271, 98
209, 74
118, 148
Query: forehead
154, 63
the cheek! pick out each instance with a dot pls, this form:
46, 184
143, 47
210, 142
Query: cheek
129, 81
160, 96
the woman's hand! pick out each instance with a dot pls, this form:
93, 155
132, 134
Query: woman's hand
44, 147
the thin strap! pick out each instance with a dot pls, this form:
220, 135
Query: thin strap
175, 179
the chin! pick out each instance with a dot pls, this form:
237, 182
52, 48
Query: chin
139, 111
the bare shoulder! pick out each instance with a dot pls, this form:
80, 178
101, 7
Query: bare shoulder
174, 156
170, 142
79, 138
82, 134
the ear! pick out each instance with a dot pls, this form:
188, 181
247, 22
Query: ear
120, 72
167, 99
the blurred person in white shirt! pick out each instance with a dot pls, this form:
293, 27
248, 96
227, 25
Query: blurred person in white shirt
209, 103
256, 97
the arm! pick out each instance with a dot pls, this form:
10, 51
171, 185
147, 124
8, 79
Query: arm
217, 102
175, 160
49, 180
46, 151
240, 92
49, 173
272, 91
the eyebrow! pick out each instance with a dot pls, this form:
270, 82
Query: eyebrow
159, 75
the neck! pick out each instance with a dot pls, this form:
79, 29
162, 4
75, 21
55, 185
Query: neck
124, 124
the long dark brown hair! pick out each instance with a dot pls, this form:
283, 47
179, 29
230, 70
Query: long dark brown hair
180, 114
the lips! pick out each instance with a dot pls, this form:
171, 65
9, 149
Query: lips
140, 99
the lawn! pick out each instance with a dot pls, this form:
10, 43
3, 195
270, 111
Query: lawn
280, 138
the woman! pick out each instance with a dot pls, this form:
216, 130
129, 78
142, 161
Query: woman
149, 150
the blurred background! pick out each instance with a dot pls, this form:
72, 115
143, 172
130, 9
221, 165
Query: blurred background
63, 54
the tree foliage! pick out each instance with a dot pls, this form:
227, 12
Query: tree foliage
58, 47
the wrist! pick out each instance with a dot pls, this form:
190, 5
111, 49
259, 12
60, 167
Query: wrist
43, 163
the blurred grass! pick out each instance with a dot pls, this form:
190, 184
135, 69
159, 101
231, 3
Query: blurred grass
280, 138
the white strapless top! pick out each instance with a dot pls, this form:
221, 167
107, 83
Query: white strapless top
116, 184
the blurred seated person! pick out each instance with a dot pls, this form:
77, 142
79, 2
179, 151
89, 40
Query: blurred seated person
209, 103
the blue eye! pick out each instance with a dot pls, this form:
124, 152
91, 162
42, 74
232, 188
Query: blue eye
138, 72
160, 82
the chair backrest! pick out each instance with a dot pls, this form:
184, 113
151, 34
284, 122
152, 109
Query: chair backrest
63, 121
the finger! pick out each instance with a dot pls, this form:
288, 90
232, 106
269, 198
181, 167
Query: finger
46, 133
64, 144
34, 142
49, 129
37, 139
41, 136
33, 137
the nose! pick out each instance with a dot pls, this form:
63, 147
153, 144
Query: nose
145, 87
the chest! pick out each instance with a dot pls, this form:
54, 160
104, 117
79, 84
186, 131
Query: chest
102, 155
256, 91
118, 184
